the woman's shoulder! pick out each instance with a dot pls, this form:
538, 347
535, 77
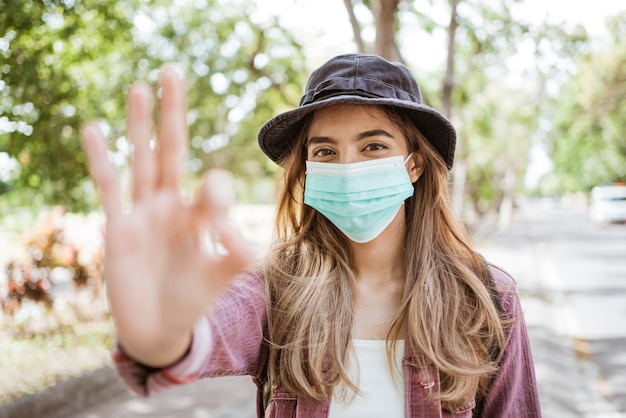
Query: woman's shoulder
506, 286
249, 283
245, 292
503, 281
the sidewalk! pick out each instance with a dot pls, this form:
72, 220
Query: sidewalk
224, 397
100, 394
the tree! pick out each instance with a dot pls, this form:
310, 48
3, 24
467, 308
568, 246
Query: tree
385, 14
479, 34
500, 124
58, 72
240, 70
480, 37
588, 146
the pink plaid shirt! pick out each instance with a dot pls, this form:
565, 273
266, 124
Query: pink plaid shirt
230, 342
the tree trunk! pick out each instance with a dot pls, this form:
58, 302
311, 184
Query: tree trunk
460, 170
505, 211
448, 82
356, 29
385, 13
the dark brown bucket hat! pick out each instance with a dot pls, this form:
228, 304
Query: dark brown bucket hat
366, 79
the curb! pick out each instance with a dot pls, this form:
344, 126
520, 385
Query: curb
67, 397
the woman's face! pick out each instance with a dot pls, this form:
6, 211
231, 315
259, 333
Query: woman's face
349, 133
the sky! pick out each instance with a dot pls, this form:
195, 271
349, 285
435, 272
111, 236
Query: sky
590, 13
324, 27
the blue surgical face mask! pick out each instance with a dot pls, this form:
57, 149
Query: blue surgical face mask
361, 199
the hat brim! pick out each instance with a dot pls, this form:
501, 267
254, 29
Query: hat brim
278, 135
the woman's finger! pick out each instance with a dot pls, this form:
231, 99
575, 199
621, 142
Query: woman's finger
215, 196
172, 128
212, 204
139, 126
240, 253
102, 173
213, 201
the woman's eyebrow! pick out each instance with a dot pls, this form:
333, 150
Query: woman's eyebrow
314, 140
373, 132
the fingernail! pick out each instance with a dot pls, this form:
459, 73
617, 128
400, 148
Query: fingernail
172, 67
90, 130
142, 88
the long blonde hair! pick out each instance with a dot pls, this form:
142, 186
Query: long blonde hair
446, 314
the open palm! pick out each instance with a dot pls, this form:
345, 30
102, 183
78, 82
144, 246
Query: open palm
159, 275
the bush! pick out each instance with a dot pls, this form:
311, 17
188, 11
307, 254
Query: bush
54, 319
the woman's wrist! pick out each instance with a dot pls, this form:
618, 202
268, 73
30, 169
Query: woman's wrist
159, 353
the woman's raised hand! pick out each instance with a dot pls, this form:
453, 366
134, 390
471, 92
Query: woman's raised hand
160, 278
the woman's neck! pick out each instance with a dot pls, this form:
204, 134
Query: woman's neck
378, 286
380, 260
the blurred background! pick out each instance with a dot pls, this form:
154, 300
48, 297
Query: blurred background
535, 88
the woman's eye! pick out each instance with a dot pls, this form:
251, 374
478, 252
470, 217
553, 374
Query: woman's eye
374, 147
322, 152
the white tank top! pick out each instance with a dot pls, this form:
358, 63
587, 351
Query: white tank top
382, 395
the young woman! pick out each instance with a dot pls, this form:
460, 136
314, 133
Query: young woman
371, 302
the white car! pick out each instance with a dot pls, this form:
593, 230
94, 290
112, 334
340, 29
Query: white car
608, 203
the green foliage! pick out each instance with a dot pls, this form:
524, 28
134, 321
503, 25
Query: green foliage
588, 143
65, 62
241, 70
499, 125
494, 121
589, 146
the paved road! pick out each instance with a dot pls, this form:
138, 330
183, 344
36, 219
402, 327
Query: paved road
572, 280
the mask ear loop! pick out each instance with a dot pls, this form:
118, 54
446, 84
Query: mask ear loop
408, 157
405, 161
